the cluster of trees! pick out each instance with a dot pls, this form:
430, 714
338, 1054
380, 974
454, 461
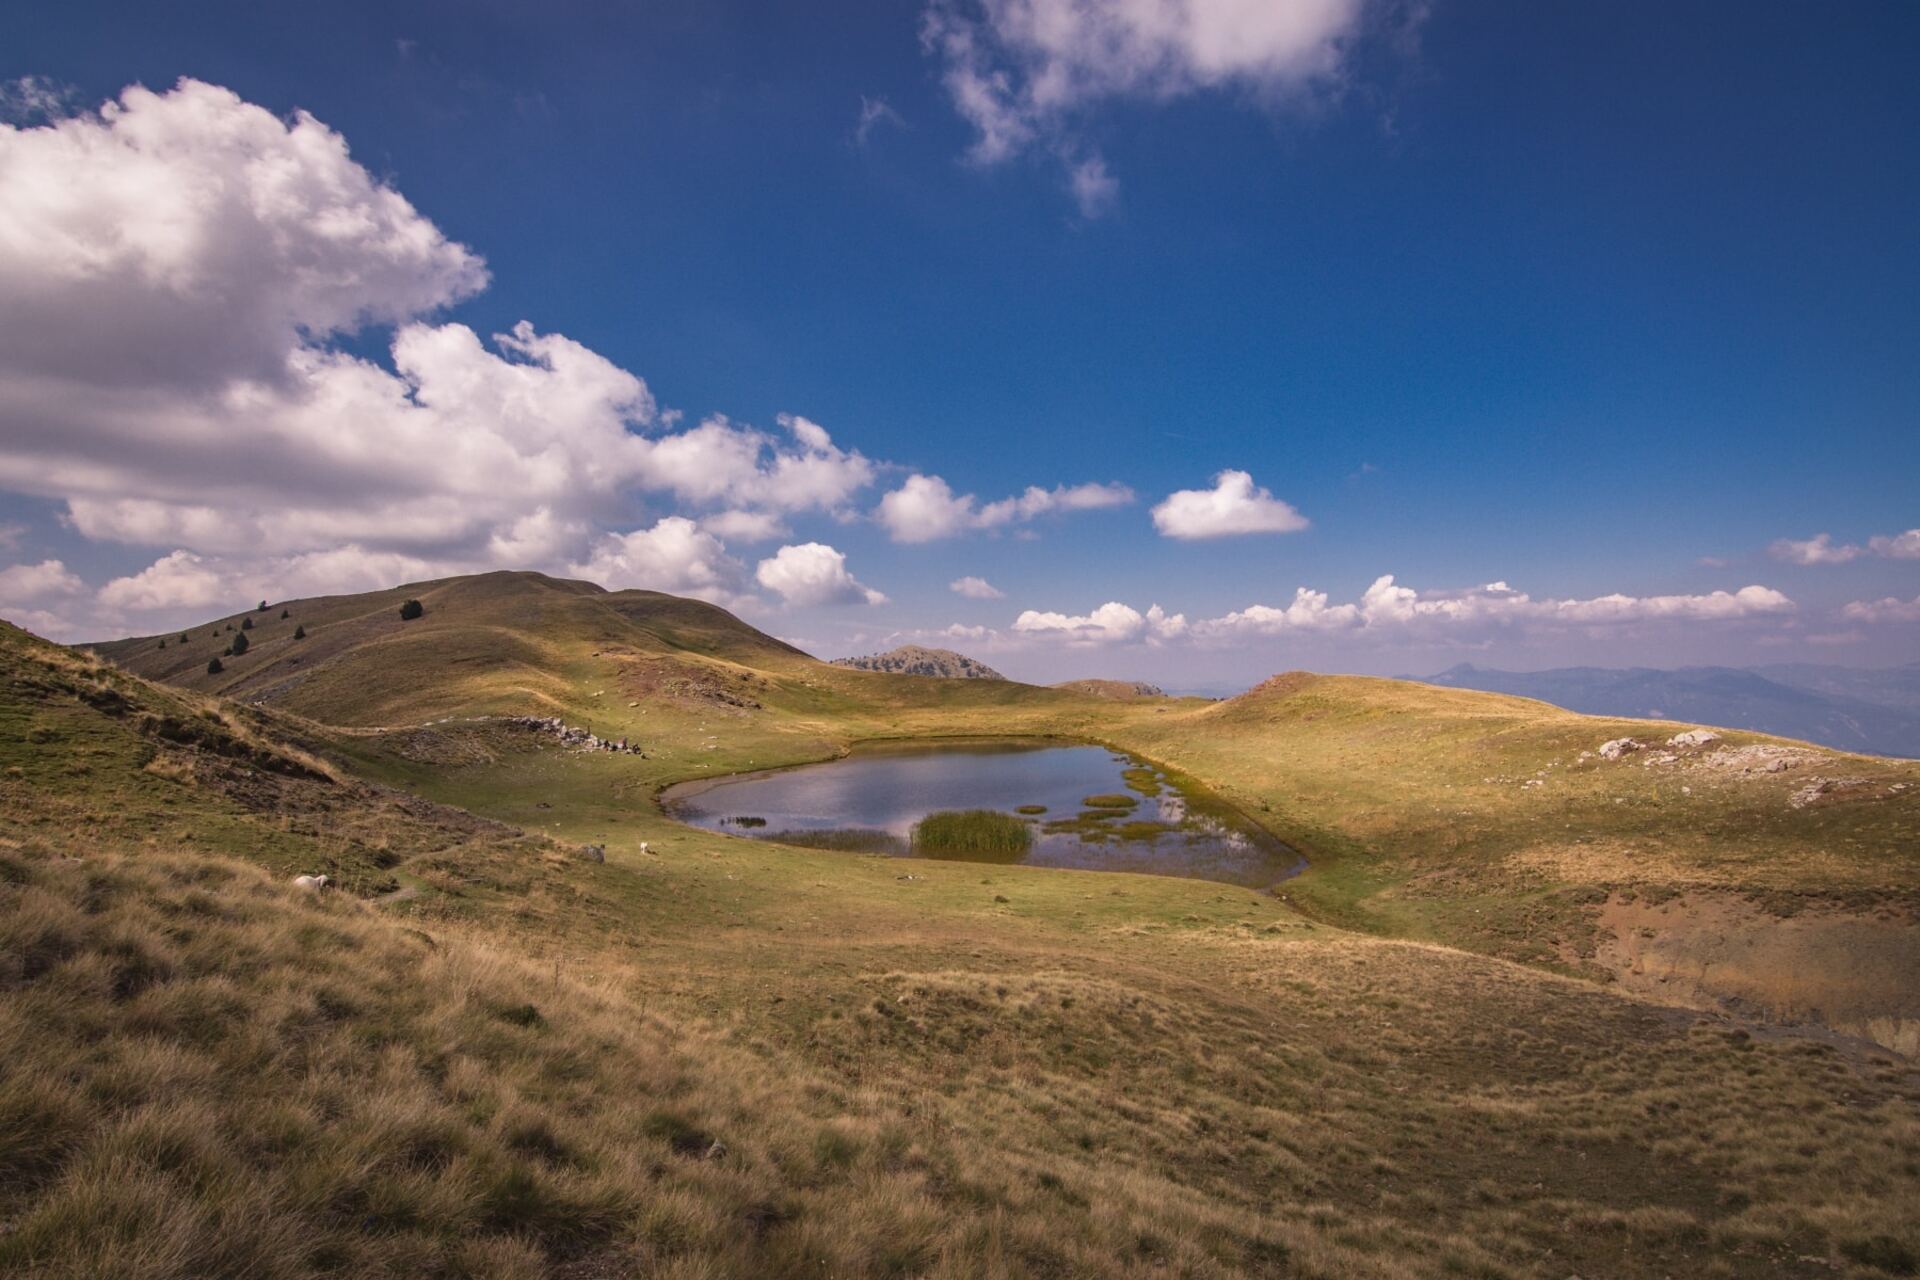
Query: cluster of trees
241, 643
409, 610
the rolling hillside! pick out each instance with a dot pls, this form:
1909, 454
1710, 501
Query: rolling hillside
715, 1057
1868, 711
1471, 819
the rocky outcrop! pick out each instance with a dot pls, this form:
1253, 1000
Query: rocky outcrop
1694, 738
571, 735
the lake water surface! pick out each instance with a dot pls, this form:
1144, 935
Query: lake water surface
870, 800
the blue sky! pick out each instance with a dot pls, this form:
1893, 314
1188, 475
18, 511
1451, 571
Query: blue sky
1593, 301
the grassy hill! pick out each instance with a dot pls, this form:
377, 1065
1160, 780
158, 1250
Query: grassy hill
718, 1057
1471, 819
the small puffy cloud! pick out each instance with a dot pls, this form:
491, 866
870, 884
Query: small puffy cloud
1888, 609
926, 509
1819, 549
1023, 72
976, 589
23, 584
1111, 623
1232, 507
813, 573
676, 556
1094, 189
1899, 546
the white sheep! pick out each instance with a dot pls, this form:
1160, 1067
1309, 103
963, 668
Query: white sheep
644, 848
312, 883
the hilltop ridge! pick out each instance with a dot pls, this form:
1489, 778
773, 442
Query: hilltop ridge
1876, 711
918, 660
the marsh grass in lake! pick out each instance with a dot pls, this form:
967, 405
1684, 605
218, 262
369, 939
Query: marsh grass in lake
972, 834
842, 839
1075, 806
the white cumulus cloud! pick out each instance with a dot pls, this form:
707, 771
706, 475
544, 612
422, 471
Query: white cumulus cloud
676, 556
175, 270
1899, 546
1822, 549
1388, 611
813, 573
22, 584
975, 589
1023, 72
1819, 549
1888, 609
925, 508
1235, 505
1111, 623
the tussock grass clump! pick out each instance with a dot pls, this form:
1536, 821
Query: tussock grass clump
1111, 800
842, 839
971, 833
1030, 809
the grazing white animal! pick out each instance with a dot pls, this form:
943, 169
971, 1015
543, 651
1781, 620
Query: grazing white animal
644, 848
314, 883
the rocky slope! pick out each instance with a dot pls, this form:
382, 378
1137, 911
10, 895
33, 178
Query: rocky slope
916, 660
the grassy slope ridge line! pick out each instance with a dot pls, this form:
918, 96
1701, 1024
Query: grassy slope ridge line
1448, 815
1046, 1074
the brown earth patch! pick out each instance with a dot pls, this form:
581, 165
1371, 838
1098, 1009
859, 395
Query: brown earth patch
1853, 970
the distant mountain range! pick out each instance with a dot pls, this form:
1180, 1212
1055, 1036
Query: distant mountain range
1875, 710
916, 660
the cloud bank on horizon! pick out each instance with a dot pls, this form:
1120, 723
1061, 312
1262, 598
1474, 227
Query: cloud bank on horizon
179, 271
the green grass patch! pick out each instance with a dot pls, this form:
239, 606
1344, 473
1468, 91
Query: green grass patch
1144, 780
972, 833
1031, 809
1110, 800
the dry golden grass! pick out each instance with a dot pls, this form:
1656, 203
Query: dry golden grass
728, 1058
213, 1074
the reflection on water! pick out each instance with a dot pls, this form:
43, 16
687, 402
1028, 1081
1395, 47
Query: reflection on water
869, 801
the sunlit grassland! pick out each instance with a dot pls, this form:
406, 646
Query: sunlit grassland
925, 1069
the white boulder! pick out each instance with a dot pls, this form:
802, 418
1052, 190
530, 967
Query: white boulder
1694, 738
1618, 747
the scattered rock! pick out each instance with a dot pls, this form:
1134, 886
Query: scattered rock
1001, 897
1817, 787
1618, 747
571, 735
1694, 738
594, 852
1760, 758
